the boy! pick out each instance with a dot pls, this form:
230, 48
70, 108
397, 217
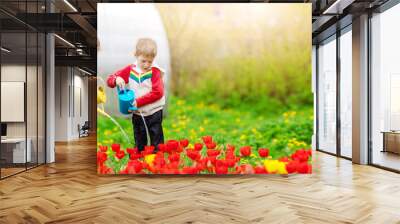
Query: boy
145, 79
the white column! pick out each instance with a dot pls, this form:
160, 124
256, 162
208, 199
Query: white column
50, 92
360, 90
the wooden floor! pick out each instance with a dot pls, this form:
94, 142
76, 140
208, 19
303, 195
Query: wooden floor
70, 191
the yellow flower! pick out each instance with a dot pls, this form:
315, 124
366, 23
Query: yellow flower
243, 137
101, 95
201, 129
271, 165
282, 168
180, 102
107, 132
200, 105
149, 158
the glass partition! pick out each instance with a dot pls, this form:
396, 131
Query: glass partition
22, 87
327, 95
14, 153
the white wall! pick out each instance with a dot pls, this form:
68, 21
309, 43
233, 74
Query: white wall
67, 115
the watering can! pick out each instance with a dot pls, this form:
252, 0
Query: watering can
126, 98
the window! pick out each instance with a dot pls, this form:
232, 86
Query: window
346, 92
385, 88
327, 95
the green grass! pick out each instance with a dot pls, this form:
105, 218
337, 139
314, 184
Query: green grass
282, 130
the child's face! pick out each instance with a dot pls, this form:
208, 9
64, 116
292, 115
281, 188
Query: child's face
145, 62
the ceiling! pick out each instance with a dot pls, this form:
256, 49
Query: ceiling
76, 22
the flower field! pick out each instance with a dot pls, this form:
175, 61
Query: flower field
204, 138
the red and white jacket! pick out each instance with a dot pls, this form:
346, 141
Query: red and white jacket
148, 87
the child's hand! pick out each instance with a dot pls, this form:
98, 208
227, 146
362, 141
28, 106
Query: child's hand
120, 82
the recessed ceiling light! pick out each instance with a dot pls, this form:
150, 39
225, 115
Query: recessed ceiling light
64, 40
84, 71
70, 5
5, 50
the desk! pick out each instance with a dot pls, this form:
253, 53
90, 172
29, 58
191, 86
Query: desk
18, 151
391, 141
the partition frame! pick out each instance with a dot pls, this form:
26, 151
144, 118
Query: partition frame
44, 75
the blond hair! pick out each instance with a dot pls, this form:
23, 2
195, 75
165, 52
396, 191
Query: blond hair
146, 47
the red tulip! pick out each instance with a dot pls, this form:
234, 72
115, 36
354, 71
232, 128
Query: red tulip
194, 155
201, 164
115, 147
135, 156
221, 169
101, 157
212, 159
247, 169
134, 167
220, 162
291, 167
245, 151
132, 150
230, 148
172, 145
230, 162
230, 155
103, 169
211, 145
120, 154
284, 159
174, 157
213, 152
260, 170
149, 149
161, 147
198, 146
103, 148
184, 143
179, 149
263, 152
173, 165
159, 161
207, 139
189, 170
302, 167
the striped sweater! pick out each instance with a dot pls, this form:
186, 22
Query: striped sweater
148, 87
